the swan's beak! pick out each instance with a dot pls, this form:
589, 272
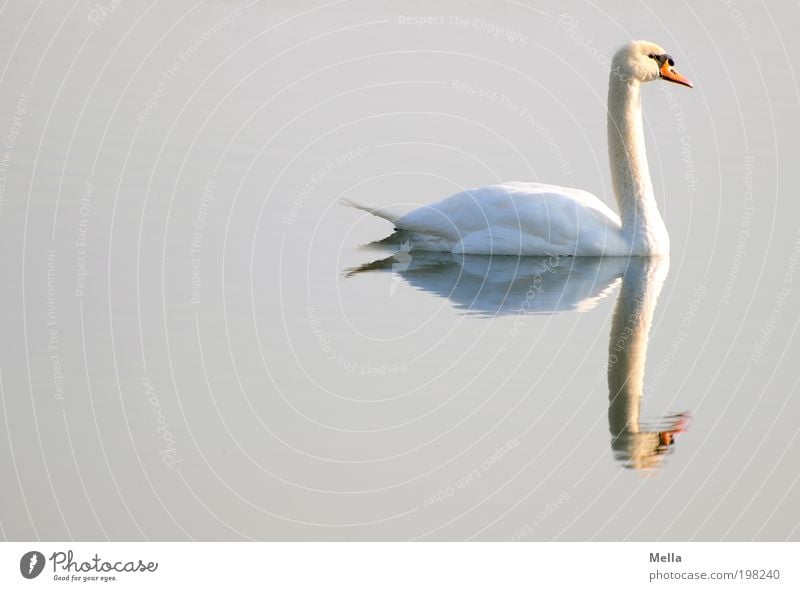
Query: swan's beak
671, 74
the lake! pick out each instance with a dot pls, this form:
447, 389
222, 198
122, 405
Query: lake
199, 344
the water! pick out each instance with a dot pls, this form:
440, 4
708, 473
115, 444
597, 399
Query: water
197, 345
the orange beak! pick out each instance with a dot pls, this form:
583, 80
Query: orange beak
669, 73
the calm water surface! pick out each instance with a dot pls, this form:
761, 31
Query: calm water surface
196, 344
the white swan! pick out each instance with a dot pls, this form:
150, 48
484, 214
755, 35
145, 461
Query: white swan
538, 219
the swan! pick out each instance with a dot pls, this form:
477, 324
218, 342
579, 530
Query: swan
537, 219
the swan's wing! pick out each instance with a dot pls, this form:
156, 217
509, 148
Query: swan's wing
508, 240
579, 196
514, 218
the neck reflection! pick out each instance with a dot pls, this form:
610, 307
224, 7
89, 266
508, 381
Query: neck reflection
635, 444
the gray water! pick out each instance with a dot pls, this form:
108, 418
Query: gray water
188, 352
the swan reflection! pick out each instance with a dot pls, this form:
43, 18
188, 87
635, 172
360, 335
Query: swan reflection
500, 285
636, 444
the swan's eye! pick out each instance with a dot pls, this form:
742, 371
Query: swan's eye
652, 56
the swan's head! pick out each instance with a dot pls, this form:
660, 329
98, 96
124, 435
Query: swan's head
645, 62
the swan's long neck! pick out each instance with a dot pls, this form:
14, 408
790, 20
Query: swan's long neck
641, 221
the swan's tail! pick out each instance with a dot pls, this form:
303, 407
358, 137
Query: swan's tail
381, 212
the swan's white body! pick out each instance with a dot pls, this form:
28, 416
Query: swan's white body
537, 219
518, 219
